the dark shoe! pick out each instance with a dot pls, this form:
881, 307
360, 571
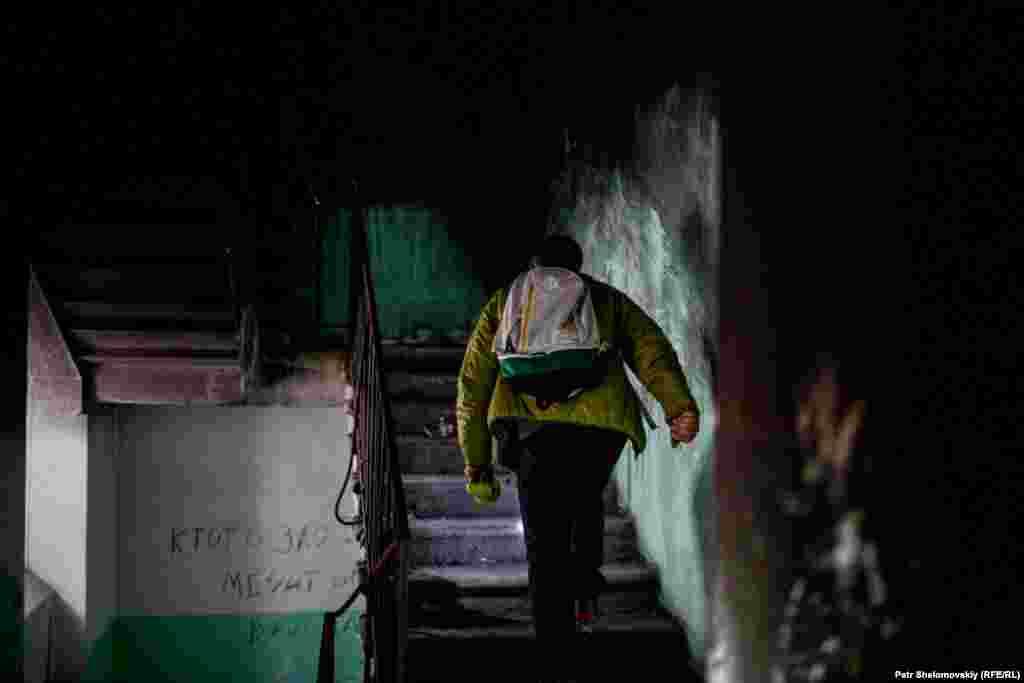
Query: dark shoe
586, 614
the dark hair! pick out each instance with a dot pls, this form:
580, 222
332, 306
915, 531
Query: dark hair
559, 251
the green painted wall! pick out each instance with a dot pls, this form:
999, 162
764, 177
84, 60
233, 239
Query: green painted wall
422, 276
668, 490
249, 648
11, 646
335, 265
657, 240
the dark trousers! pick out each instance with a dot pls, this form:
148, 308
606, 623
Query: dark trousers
562, 473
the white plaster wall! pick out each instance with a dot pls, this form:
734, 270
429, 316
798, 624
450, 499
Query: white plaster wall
55, 526
101, 549
214, 501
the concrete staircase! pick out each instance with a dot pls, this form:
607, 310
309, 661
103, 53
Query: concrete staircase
469, 616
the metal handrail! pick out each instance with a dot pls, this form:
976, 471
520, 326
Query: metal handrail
378, 482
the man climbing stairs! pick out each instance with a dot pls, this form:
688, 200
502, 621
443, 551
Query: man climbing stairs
469, 615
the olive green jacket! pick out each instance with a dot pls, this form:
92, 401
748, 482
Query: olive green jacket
483, 397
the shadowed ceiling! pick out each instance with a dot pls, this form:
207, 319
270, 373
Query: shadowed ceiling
167, 158
163, 137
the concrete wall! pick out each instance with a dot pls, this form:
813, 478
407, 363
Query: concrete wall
653, 234
70, 541
101, 536
228, 554
55, 530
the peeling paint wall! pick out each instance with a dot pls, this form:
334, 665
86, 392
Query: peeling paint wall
422, 277
653, 234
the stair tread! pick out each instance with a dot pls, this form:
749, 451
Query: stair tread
430, 495
432, 357
456, 479
450, 479
420, 438
423, 455
515, 574
477, 610
410, 417
471, 624
465, 526
615, 648
411, 382
429, 348
417, 401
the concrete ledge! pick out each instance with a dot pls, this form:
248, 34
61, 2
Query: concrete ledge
187, 384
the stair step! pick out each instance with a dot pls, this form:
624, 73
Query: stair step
170, 318
410, 417
486, 541
420, 454
421, 358
621, 644
510, 579
445, 495
494, 618
483, 611
436, 386
113, 342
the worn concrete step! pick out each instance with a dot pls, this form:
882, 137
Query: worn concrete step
510, 618
423, 358
511, 579
410, 417
444, 495
481, 643
481, 541
419, 454
473, 611
437, 386
465, 596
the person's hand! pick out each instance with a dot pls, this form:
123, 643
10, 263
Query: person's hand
476, 473
685, 427
481, 484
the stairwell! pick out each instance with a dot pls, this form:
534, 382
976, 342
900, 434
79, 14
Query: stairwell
469, 616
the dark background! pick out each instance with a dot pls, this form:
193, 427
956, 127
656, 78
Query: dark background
459, 106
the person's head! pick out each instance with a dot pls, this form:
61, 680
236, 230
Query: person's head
559, 251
